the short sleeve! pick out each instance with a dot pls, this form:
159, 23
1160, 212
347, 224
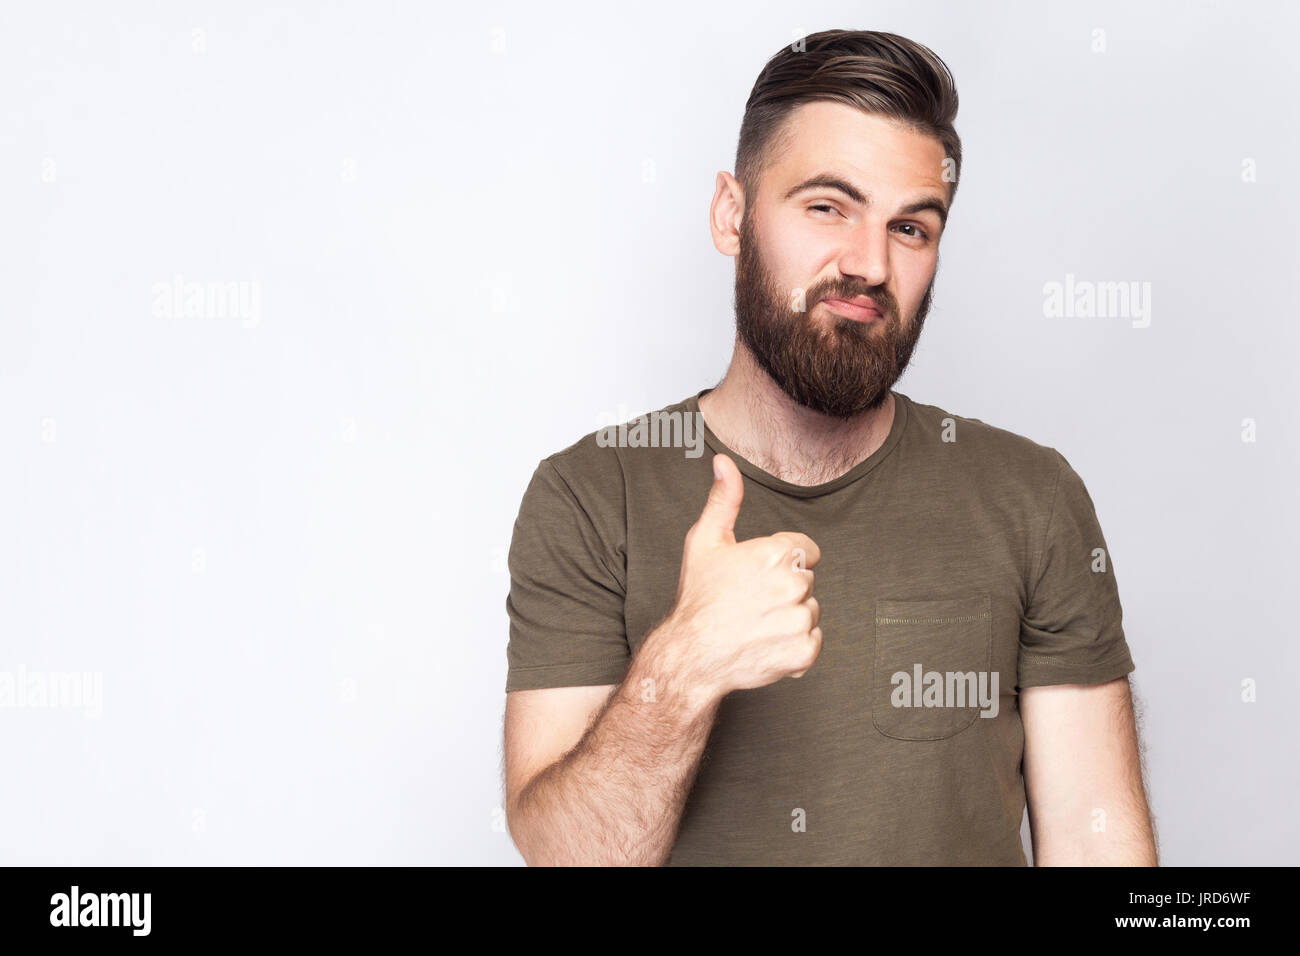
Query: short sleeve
566, 591
1072, 630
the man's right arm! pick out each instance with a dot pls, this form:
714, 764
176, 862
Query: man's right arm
616, 797
611, 790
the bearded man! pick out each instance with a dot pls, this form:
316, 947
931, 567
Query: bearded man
864, 630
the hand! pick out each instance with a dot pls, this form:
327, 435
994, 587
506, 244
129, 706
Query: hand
745, 616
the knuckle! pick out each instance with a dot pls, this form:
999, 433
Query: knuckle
775, 550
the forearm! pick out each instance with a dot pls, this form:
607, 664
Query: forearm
1132, 843
1085, 778
617, 797
1120, 836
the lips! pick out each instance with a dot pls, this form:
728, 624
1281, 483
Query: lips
860, 309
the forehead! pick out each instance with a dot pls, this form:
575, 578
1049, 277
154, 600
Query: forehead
875, 152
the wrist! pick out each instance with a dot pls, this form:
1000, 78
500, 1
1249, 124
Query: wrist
667, 669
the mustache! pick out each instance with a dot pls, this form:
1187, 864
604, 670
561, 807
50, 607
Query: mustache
878, 294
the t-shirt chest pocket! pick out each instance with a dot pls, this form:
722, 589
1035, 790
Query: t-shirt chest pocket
931, 664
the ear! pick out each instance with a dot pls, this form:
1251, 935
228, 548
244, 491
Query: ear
725, 213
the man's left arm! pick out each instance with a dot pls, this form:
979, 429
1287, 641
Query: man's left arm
1083, 776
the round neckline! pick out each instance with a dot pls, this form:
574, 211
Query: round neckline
902, 410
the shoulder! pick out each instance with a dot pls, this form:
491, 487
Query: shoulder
984, 452
599, 467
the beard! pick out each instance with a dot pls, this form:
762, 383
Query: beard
840, 370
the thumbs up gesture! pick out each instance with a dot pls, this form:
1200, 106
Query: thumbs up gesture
745, 616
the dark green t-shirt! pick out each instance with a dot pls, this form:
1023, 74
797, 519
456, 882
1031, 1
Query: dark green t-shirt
959, 557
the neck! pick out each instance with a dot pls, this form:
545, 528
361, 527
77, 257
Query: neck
752, 415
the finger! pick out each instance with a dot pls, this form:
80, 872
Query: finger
816, 609
717, 522
815, 640
795, 541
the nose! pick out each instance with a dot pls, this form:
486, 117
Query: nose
866, 253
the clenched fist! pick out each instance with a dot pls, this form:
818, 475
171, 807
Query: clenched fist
745, 615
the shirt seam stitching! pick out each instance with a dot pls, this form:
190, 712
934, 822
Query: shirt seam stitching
542, 667
1117, 655
578, 503
1047, 533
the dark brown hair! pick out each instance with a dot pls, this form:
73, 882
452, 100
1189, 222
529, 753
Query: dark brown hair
879, 73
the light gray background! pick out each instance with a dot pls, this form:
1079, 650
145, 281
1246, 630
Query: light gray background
476, 230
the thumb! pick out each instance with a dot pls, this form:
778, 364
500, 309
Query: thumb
718, 519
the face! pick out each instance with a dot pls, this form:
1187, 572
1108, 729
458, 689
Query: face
850, 210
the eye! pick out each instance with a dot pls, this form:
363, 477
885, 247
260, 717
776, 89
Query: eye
916, 233
826, 206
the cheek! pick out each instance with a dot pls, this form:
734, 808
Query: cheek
788, 269
797, 256
913, 278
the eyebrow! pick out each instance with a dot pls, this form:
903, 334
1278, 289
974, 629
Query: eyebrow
828, 181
